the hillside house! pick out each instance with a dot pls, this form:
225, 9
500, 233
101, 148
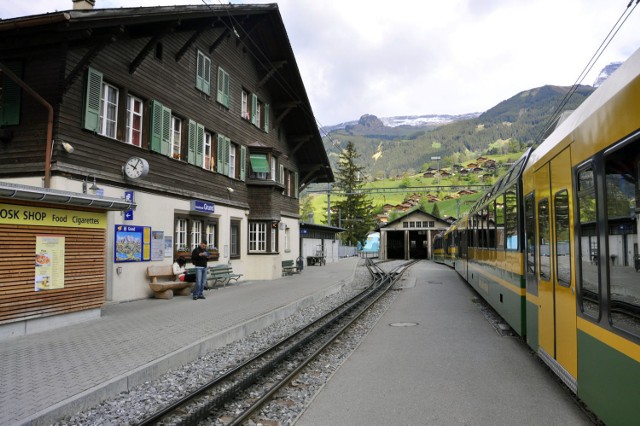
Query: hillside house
131, 134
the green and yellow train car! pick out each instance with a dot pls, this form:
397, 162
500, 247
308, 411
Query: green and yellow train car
554, 248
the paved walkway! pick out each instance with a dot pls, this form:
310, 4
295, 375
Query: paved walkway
450, 368
49, 375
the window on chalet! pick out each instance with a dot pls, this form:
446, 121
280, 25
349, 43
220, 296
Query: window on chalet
263, 237
10, 96
108, 119
209, 158
259, 166
259, 113
133, 134
223, 87
203, 73
231, 158
176, 137
244, 106
234, 243
190, 230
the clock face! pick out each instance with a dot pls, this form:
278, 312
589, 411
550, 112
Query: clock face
135, 168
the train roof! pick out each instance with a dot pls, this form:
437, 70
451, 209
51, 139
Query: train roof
512, 175
591, 110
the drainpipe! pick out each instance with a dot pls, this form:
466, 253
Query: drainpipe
47, 105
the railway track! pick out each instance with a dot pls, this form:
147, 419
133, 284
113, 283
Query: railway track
239, 393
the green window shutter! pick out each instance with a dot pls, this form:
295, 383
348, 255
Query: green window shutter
223, 87
266, 118
199, 145
199, 71
223, 155
203, 73
227, 149
165, 146
156, 126
93, 91
11, 96
219, 152
254, 110
192, 135
206, 78
243, 163
295, 184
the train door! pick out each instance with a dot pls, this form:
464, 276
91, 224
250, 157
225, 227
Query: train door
557, 311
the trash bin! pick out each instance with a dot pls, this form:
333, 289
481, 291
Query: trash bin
300, 263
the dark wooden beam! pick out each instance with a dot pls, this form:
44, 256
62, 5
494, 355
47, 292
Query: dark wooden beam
188, 44
219, 40
148, 48
86, 60
275, 67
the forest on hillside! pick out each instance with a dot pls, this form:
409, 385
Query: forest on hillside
511, 126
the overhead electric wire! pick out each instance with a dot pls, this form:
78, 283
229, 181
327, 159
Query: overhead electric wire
599, 51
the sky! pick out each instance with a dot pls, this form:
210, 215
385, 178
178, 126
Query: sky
418, 57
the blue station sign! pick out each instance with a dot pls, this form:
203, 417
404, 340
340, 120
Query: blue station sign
203, 206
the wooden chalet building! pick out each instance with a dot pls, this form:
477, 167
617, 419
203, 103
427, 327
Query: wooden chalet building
410, 236
130, 134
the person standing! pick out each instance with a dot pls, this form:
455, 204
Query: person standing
199, 257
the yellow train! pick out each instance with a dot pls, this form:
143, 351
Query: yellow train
553, 247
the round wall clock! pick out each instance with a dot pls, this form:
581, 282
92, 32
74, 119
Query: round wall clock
135, 168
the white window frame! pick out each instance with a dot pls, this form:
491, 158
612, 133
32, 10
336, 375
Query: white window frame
176, 136
196, 233
273, 168
274, 232
244, 109
135, 108
207, 154
232, 160
108, 111
211, 235
257, 237
181, 234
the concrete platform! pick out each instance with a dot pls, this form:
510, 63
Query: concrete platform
48, 375
451, 368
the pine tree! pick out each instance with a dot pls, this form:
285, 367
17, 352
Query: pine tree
352, 211
436, 211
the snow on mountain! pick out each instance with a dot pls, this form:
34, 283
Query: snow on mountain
606, 72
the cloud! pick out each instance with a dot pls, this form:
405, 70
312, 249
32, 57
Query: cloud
415, 57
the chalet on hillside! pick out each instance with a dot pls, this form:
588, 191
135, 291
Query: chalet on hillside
129, 135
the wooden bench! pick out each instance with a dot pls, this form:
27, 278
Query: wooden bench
288, 267
165, 289
222, 274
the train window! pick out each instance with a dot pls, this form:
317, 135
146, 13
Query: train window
588, 246
491, 225
622, 228
511, 218
500, 222
530, 238
563, 250
544, 237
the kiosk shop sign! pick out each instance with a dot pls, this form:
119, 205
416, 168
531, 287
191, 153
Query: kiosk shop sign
11, 214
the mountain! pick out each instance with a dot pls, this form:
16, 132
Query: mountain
393, 146
510, 126
606, 72
428, 120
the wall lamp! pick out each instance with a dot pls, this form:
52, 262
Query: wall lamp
95, 188
68, 147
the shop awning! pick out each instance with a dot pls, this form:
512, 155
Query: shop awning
259, 163
14, 191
